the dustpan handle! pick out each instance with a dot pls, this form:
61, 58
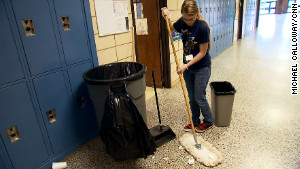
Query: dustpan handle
153, 77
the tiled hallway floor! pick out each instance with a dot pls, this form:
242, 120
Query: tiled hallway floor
265, 126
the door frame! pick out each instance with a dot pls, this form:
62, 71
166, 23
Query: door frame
240, 19
257, 13
163, 44
164, 48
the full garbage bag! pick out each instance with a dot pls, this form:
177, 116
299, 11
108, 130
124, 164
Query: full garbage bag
123, 130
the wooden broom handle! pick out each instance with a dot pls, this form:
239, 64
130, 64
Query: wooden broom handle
180, 77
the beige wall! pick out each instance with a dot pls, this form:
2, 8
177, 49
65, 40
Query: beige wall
113, 48
174, 6
120, 47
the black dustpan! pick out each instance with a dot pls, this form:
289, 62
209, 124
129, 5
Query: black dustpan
162, 134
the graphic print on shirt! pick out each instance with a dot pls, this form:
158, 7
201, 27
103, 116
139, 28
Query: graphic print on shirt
188, 46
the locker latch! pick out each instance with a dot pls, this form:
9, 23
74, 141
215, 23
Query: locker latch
51, 116
13, 134
65, 21
81, 101
28, 27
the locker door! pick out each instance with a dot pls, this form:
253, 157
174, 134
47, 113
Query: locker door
55, 107
218, 2
218, 38
40, 47
206, 10
215, 11
74, 38
19, 128
82, 103
222, 36
211, 12
221, 11
1, 164
10, 66
212, 42
201, 7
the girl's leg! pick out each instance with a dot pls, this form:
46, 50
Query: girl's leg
189, 78
201, 80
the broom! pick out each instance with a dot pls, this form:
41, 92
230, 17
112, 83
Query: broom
205, 154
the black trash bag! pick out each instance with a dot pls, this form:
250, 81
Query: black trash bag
123, 130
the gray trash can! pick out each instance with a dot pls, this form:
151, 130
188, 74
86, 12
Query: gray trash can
222, 97
100, 79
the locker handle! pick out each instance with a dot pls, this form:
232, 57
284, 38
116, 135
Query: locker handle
51, 114
206, 10
200, 10
13, 134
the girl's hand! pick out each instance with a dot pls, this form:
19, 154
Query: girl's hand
182, 69
165, 12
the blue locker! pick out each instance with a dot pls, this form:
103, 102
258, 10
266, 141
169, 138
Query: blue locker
74, 40
215, 40
41, 49
201, 7
223, 28
17, 110
212, 41
222, 16
226, 10
10, 65
81, 100
218, 29
54, 99
1, 164
218, 11
211, 12
215, 11
206, 11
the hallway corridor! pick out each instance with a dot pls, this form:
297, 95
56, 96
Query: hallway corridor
265, 128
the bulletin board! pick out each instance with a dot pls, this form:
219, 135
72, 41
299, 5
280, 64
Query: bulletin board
112, 16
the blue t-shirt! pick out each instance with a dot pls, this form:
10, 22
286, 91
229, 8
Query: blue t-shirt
192, 37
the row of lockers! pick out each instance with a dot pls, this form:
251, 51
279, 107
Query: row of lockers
220, 15
36, 27
216, 11
46, 113
221, 38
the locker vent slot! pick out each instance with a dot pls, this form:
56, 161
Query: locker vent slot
65, 21
28, 27
51, 116
13, 134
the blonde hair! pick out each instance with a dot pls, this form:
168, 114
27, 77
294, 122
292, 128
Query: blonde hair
190, 8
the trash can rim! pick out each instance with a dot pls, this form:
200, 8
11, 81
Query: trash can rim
131, 77
232, 92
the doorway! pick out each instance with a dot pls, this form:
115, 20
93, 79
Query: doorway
240, 19
151, 37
